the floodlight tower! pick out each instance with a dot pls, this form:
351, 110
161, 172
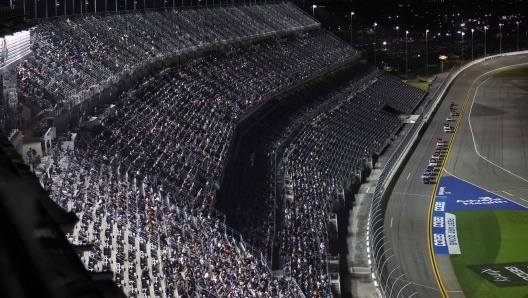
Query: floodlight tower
375, 24
472, 30
426, 53
500, 27
406, 58
518, 35
351, 31
485, 28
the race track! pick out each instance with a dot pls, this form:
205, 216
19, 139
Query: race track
499, 128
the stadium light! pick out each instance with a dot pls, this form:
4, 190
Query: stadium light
397, 28
406, 58
485, 28
351, 32
500, 38
472, 30
313, 10
426, 54
518, 35
375, 24
462, 46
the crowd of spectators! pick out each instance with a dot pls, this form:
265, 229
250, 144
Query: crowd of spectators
80, 56
147, 174
322, 160
248, 196
144, 182
139, 231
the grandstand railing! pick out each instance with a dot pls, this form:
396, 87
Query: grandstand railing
177, 4
384, 279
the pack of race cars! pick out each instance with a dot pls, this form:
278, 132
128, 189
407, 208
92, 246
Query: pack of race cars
452, 112
434, 161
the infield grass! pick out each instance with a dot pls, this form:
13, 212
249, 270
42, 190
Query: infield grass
489, 237
516, 72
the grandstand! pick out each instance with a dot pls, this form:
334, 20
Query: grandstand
156, 179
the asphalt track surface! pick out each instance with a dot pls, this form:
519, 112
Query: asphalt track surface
498, 115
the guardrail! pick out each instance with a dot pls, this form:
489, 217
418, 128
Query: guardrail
377, 244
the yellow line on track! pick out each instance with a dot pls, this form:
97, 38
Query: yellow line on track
441, 285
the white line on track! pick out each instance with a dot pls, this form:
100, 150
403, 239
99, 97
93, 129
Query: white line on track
391, 223
410, 194
403, 280
484, 188
523, 200
473, 136
508, 193
408, 176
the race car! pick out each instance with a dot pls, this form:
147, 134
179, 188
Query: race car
436, 155
431, 167
452, 113
452, 103
432, 160
439, 140
427, 173
449, 119
446, 125
426, 180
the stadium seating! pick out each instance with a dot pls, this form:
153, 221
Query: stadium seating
403, 97
79, 57
143, 183
144, 179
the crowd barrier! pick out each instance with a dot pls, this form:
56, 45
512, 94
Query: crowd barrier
377, 245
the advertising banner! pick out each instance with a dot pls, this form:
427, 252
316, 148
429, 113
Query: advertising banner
504, 275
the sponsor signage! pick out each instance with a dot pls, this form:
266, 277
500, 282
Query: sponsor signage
454, 194
503, 275
439, 227
451, 234
483, 201
462, 195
